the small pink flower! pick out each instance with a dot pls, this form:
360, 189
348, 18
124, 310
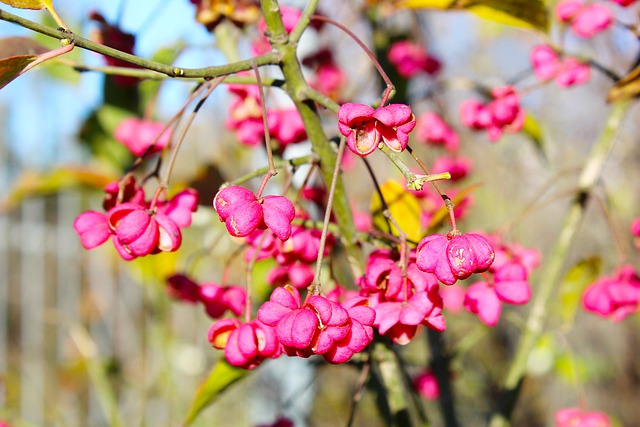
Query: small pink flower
426, 385
360, 333
566, 10
452, 298
573, 72
614, 296
139, 233
411, 59
459, 166
182, 288
286, 126
454, 257
399, 320
365, 127
290, 17
218, 299
575, 417
430, 128
319, 326
625, 3
92, 228
546, 62
585, 20
502, 114
140, 136
131, 192
510, 286
298, 274
591, 20
180, 207
245, 344
243, 213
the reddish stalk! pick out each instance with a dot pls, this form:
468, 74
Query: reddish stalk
390, 87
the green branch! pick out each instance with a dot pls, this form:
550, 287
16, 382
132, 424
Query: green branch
297, 89
551, 276
271, 58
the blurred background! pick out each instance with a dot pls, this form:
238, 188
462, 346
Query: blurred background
88, 339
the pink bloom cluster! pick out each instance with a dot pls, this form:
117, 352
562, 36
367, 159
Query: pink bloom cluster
426, 385
615, 296
430, 128
456, 257
548, 65
136, 229
507, 281
575, 417
586, 20
411, 59
624, 3
245, 118
243, 213
365, 127
142, 136
402, 302
502, 114
318, 325
245, 345
215, 298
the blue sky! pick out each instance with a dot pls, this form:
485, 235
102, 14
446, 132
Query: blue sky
42, 115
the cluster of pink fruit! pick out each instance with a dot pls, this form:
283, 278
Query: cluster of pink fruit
137, 227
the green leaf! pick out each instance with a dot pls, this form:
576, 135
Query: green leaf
574, 284
220, 378
28, 4
532, 129
517, 13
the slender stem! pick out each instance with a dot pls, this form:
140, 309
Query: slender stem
414, 181
304, 20
164, 184
57, 18
270, 58
278, 164
271, 172
297, 89
447, 200
390, 87
66, 48
554, 267
316, 287
142, 73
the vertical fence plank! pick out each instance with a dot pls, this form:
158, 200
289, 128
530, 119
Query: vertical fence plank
32, 280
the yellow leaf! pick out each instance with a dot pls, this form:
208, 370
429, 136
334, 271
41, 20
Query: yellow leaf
403, 206
626, 88
423, 4
518, 13
28, 4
